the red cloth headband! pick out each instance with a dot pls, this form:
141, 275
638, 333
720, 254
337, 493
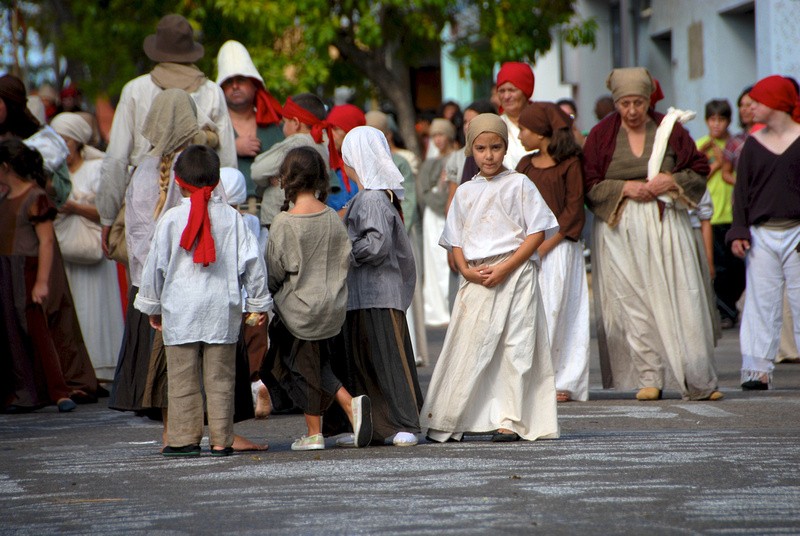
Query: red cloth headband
199, 226
778, 93
519, 74
291, 109
268, 109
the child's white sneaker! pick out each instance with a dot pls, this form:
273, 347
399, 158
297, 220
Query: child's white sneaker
314, 442
362, 420
404, 439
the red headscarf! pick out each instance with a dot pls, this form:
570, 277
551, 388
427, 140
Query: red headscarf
199, 226
268, 108
778, 93
519, 74
347, 117
291, 109
656, 95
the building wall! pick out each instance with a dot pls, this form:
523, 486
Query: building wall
739, 42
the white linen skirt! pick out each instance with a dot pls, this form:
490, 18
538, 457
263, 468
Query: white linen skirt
565, 296
654, 313
494, 370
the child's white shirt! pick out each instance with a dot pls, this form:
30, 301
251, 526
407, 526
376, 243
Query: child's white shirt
493, 217
203, 303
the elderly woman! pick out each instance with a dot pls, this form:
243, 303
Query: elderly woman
654, 325
515, 83
92, 277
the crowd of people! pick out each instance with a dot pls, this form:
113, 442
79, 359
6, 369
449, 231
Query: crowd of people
226, 256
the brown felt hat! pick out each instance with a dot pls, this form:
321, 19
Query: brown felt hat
173, 41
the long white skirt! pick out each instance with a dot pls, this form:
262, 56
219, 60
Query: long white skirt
653, 304
565, 296
95, 291
494, 370
436, 276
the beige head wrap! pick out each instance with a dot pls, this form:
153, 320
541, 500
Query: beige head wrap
378, 119
630, 81
443, 126
485, 123
171, 122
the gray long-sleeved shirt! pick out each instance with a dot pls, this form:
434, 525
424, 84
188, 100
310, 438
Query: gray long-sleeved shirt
382, 270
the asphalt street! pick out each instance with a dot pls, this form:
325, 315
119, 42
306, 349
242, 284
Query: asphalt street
620, 467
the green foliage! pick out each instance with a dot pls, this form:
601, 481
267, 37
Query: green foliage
297, 45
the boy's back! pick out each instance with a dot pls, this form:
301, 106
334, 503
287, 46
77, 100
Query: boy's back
203, 303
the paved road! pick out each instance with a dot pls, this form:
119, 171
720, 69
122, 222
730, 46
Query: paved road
620, 467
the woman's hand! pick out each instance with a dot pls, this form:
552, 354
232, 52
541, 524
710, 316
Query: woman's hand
740, 248
661, 184
68, 207
637, 191
39, 292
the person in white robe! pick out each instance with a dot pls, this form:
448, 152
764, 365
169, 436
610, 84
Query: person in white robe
494, 374
94, 283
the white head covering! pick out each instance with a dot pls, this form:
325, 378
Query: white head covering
74, 126
366, 150
71, 125
233, 185
234, 60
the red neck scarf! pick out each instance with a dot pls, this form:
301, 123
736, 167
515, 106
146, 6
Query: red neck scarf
268, 109
291, 109
198, 229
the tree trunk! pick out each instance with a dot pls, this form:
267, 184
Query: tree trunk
394, 84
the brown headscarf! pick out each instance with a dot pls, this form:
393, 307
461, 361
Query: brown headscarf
544, 118
19, 120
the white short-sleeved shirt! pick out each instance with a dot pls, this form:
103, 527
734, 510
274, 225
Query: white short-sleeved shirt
493, 217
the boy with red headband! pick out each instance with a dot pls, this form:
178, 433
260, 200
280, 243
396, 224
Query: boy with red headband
201, 255
303, 124
766, 225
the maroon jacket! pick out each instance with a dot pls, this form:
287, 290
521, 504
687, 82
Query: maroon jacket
602, 140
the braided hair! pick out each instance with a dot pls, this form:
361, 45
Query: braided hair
303, 169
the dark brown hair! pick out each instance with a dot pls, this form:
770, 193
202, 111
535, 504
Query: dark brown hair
24, 161
303, 169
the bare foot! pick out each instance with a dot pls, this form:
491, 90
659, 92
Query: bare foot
563, 396
263, 403
504, 431
242, 444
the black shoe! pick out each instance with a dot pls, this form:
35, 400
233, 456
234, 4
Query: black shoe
188, 450
227, 451
504, 438
755, 385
